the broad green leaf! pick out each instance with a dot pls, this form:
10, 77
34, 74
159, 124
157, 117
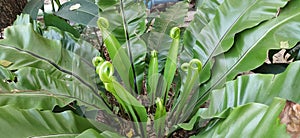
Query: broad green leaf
5, 77
35, 89
103, 4
91, 133
250, 120
253, 44
205, 12
81, 48
40, 99
24, 47
36, 79
231, 18
35, 123
190, 125
60, 71
259, 88
135, 16
79, 11
32, 8
255, 88
52, 20
172, 17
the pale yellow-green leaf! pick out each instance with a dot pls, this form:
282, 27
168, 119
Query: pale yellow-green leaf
5, 63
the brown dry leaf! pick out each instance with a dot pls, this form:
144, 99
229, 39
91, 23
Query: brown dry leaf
290, 116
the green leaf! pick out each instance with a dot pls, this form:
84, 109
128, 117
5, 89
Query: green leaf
32, 8
160, 117
53, 68
172, 17
139, 51
117, 54
37, 79
159, 42
40, 99
81, 48
32, 122
95, 134
152, 77
5, 77
171, 62
231, 18
24, 47
190, 125
22, 19
135, 18
205, 12
254, 88
104, 4
250, 120
181, 110
52, 20
258, 88
252, 45
85, 14
130, 101
133, 107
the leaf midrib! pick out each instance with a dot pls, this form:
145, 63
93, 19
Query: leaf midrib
247, 51
227, 31
46, 93
55, 65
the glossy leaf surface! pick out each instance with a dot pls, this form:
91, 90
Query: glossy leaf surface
64, 124
252, 45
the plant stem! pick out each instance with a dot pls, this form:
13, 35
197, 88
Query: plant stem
128, 44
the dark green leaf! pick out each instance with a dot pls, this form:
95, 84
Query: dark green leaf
231, 18
252, 45
32, 122
52, 20
250, 120
172, 17
81, 48
256, 88
86, 13
35, 51
91, 133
